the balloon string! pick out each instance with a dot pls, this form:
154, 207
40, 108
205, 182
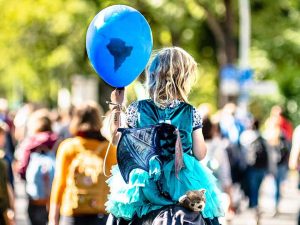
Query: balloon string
110, 142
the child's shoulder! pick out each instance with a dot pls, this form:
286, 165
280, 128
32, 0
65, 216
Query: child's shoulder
190, 105
137, 103
187, 105
140, 103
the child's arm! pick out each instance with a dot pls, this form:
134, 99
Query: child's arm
199, 146
117, 98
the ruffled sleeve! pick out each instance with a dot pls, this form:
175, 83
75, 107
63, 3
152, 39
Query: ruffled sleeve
132, 114
197, 120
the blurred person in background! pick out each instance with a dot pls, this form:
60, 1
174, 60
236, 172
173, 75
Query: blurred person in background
56, 119
285, 125
294, 161
79, 189
231, 129
205, 110
217, 160
21, 119
6, 155
36, 164
6, 191
258, 163
9, 146
63, 130
4, 113
278, 137
9, 137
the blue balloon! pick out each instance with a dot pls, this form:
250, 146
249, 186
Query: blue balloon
119, 44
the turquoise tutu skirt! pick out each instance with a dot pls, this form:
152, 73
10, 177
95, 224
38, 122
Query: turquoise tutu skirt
141, 195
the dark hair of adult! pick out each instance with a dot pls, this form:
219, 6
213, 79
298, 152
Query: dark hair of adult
40, 121
86, 117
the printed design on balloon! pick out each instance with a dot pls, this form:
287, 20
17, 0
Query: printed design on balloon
119, 51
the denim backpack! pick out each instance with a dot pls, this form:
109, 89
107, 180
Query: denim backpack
40, 174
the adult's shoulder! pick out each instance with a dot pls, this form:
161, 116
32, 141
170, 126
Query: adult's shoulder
68, 142
68, 146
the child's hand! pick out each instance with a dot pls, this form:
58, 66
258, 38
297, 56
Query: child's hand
117, 96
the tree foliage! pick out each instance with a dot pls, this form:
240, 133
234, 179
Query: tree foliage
275, 40
42, 43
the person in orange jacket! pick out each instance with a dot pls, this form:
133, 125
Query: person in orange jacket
79, 189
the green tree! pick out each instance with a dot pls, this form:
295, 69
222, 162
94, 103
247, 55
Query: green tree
42, 43
276, 46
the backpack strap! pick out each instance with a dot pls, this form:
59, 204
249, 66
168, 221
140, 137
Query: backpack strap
98, 150
179, 164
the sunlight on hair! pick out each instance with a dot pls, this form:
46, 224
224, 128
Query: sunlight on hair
169, 75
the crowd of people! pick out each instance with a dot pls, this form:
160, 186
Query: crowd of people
64, 159
242, 151
36, 142
244, 161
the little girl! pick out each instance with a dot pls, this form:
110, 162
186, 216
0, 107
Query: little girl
169, 82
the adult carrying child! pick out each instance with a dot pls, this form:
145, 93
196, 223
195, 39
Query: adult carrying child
157, 193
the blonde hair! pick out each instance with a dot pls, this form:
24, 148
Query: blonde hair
169, 75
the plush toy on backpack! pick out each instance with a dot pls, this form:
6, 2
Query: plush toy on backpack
193, 200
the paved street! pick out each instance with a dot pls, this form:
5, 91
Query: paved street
21, 204
288, 208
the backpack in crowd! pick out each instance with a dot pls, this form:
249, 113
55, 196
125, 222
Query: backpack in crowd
283, 150
257, 153
40, 174
237, 161
86, 181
